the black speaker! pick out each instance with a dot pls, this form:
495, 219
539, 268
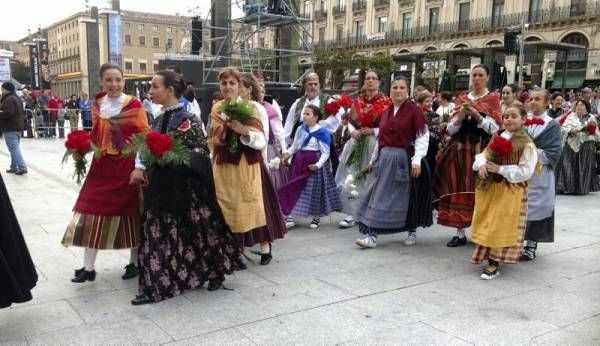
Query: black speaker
196, 35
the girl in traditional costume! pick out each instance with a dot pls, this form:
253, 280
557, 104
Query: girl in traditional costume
107, 212
541, 197
16, 267
311, 190
475, 120
244, 189
390, 203
185, 240
504, 169
364, 118
576, 170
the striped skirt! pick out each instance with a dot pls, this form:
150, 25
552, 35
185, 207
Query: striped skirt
576, 171
508, 254
103, 232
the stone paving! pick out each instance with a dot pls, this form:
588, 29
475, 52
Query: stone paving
319, 289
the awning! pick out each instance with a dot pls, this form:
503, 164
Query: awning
572, 82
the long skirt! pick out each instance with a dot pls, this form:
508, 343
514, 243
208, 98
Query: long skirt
496, 222
309, 193
420, 209
107, 211
17, 272
275, 226
185, 240
279, 175
454, 184
384, 206
576, 171
541, 231
350, 204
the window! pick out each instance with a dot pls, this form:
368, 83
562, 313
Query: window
155, 42
341, 3
128, 40
169, 43
339, 32
323, 5
464, 11
141, 27
382, 24
142, 40
128, 66
359, 27
128, 25
142, 67
434, 19
406, 23
497, 13
169, 29
154, 27
306, 9
322, 34
535, 9
261, 41
577, 8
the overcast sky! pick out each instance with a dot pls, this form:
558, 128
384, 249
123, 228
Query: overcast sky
17, 15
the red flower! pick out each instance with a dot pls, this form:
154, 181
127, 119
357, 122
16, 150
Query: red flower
158, 143
185, 125
501, 146
345, 101
591, 129
79, 140
534, 121
332, 108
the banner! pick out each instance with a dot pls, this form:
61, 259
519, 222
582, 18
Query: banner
44, 68
34, 67
115, 53
4, 70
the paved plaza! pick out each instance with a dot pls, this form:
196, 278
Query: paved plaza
319, 289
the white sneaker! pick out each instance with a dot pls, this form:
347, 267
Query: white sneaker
289, 222
490, 272
315, 223
411, 239
368, 242
347, 222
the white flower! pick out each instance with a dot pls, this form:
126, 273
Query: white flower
349, 179
352, 186
354, 194
275, 163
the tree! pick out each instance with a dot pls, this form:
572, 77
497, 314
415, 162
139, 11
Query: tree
20, 72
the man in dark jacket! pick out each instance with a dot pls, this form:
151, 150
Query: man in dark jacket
12, 121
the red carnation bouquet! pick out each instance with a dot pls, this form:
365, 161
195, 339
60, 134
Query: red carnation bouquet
341, 101
332, 108
498, 149
157, 148
534, 121
590, 129
78, 144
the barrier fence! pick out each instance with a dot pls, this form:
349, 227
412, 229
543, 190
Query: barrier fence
51, 122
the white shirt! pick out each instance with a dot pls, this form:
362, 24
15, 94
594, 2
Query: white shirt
441, 110
488, 124
111, 106
330, 124
513, 173
278, 133
421, 145
258, 140
313, 145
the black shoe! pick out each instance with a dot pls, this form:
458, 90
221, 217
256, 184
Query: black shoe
214, 285
11, 171
21, 172
141, 299
131, 271
79, 271
528, 254
84, 276
265, 258
456, 241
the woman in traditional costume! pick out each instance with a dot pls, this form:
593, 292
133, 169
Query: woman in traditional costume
107, 212
244, 189
390, 203
16, 267
475, 120
311, 190
541, 196
364, 118
500, 214
185, 241
576, 170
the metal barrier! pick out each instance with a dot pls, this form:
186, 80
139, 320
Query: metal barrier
52, 122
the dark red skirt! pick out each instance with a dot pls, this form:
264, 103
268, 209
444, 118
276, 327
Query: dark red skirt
106, 190
275, 228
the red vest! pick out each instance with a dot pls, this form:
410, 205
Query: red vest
401, 130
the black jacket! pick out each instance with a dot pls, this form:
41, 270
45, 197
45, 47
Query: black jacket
12, 116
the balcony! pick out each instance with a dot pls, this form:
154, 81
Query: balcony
406, 3
359, 5
381, 3
320, 14
590, 9
339, 9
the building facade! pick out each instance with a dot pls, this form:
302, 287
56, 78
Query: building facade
436, 35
